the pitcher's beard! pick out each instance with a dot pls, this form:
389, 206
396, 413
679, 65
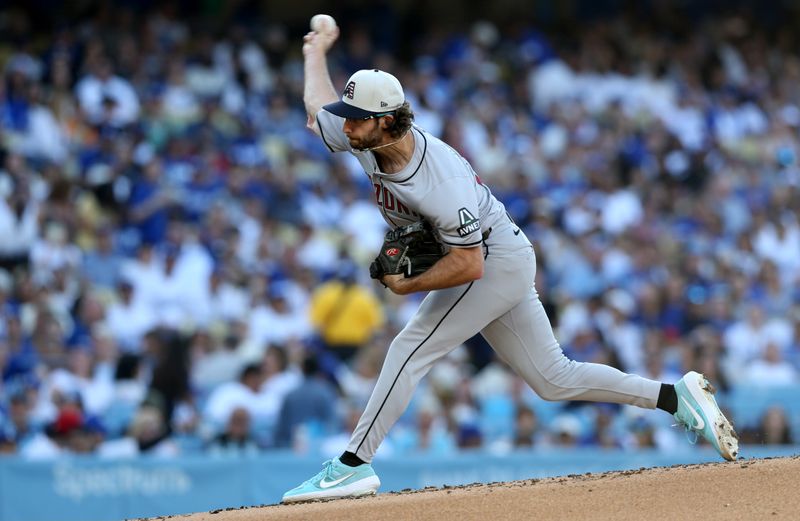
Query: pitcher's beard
366, 143
377, 146
370, 140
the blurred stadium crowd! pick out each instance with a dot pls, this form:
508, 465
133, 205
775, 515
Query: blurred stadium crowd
184, 264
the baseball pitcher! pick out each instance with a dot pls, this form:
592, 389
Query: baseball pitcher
484, 282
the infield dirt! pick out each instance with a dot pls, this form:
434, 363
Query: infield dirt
746, 489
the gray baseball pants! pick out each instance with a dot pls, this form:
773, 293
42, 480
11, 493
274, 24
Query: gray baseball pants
504, 307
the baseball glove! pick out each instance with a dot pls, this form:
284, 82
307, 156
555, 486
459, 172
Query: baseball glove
410, 250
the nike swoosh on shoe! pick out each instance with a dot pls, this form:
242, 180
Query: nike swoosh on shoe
324, 483
700, 425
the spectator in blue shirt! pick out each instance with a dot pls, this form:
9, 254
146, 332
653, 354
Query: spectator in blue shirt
309, 406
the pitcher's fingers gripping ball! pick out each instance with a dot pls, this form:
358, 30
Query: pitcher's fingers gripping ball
323, 24
324, 32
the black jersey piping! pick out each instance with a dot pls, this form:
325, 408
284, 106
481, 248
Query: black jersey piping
375, 418
421, 160
322, 135
463, 245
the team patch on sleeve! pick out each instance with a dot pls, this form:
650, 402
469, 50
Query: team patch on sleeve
469, 223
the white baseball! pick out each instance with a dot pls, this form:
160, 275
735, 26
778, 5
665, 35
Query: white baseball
322, 23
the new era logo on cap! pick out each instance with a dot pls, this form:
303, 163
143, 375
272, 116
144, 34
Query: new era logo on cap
368, 92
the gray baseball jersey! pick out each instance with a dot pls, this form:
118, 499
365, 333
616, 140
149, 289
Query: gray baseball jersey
439, 185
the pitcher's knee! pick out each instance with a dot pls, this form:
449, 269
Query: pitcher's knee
549, 392
558, 383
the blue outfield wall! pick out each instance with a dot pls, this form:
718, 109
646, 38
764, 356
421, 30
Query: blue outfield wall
89, 489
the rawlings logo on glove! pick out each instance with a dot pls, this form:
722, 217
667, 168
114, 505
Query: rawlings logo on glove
409, 250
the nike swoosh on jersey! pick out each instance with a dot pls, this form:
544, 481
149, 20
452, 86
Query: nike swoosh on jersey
700, 425
516, 232
324, 483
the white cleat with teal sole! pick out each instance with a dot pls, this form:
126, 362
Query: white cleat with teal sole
336, 480
698, 412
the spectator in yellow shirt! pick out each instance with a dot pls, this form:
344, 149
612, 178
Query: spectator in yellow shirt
345, 314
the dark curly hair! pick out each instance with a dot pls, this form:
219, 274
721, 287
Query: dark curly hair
403, 119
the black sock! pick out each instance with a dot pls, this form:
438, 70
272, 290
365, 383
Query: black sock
667, 398
351, 460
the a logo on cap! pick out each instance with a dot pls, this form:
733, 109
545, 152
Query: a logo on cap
384, 104
350, 90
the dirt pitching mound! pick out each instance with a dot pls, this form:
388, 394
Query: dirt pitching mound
746, 489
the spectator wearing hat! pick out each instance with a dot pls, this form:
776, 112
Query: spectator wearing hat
56, 439
71, 432
468, 437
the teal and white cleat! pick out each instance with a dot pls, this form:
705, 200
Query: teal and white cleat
336, 480
698, 412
